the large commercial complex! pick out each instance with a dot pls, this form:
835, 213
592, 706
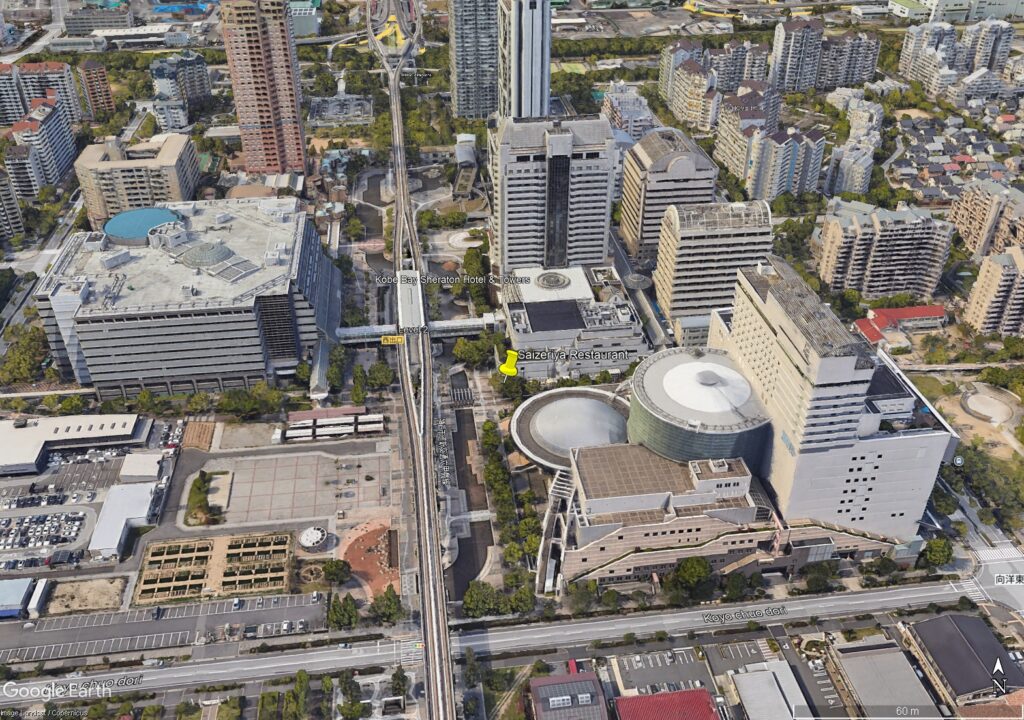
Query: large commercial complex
473, 57
854, 443
880, 252
264, 77
571, 322
82, 21
115, 177
187, 297
524, 58
700, 249
553, 187
666, 167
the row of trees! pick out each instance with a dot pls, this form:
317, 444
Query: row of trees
385, 609
476, 269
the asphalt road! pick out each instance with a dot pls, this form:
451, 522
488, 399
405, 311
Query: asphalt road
554, 635
210, 672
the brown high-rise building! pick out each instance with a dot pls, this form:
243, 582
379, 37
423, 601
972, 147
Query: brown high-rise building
96, 88
264, 77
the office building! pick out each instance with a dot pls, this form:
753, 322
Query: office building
880, 252
850, 169
628, 111
694, 99
786, 162
11, 222
672, 56
524, 58
986, 214
553, 186
37, 79
115, 177
701, 248
832, 457
737, 61
666, 167
473, 57
847, 60
987, 45
264, 77
796, 55
96, 88
47, 129
188, 297
571, 322
996, 302
12, 98
82, 21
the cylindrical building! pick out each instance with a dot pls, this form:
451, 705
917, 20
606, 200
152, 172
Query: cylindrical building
693, 404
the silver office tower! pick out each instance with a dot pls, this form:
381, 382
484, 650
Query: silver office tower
473, 52
524, 58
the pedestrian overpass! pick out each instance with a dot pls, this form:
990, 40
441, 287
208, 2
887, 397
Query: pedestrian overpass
373, 334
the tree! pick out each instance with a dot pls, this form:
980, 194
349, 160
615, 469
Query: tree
735, 587
358, 384
343, 614
610, 599
326, 698
199, 403
944, 502
936, 553
354, 229
380, 375
582, 596
72, 405
387, 607
337, 571
688, 581
399, 682
818, 583
303, 371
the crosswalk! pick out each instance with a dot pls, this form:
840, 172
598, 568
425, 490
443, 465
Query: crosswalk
971, 589
411, 652
1000, 552
766, 651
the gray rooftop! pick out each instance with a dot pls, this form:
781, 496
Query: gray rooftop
964, 651
14, 592
661, 148
575, 697
525, 134
884, 680
753, 214
819, 325
220, 253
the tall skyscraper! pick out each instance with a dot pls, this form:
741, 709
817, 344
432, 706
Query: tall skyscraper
796, 55
847, 60
264, 77
96, 88
854, 443
665, 168
553, 186
987, 45
12, 97
38, 78
524, 58
473, 56
701, 248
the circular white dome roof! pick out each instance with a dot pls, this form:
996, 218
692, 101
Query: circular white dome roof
706, 387
576, 422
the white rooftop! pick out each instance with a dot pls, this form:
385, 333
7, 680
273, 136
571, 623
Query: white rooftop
218, 253
145, 465
124, 504
20, 447
535, 284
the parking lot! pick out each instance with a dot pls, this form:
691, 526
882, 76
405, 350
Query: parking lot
135, 643
733, 656
303, 486
172, 612
664, 671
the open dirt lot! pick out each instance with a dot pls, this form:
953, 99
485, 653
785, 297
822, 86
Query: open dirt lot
247, 435
85, 596
198, 435
968, 426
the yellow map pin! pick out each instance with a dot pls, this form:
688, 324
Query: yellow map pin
508, 368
